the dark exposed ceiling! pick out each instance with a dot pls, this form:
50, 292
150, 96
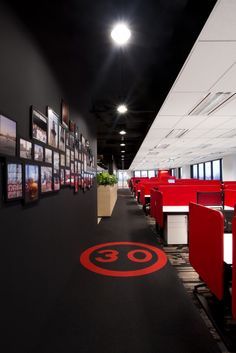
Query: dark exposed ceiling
75, 35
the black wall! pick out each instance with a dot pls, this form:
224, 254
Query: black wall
39, 245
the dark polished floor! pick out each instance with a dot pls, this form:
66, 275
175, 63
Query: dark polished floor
106, 313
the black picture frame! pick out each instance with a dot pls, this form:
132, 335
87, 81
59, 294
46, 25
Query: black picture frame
53, 127
46, 179
62, 160
67, 158
13, 176
31, 182
25, 149
8, 136
48, 155
62, 138
65, 114
67, 177
39, 126
62, 176
38, 153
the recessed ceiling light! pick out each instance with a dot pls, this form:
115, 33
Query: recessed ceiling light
121, 34
122, 108
122, 144
122, 132
122, 151
211, 102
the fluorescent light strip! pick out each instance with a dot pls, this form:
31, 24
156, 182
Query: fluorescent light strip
177, 133
211, 102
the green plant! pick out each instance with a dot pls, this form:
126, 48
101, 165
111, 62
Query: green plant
104, 178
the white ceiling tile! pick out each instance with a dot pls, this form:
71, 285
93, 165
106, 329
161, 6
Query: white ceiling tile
228, 109
179, 103
165, 122
206, 64
221, 25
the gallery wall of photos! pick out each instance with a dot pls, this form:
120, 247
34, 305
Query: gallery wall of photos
56, 155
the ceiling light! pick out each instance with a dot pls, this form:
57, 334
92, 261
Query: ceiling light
122, 144
122, 108
121, 34
211, 102
122, 151
122, 132
177, 133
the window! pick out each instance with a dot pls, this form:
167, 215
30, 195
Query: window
208, 174
180, 172
201, 171
216, 167
137, 174
151, 173
144, 173
173, 172
195, 171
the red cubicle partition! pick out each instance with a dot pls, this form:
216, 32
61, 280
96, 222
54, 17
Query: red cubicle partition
206, 232
234, 269
229, 197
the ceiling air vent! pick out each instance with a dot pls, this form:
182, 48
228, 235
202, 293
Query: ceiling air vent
163, 146
177, 133
211, 102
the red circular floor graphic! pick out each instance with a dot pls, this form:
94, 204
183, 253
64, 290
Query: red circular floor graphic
104, 254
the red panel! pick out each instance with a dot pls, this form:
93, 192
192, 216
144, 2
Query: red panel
159, 209
229, 185
206, 231
234, 269
210, 198
229, 197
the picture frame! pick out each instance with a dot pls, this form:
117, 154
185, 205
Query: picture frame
62, 176
72, 156
82, 138
67, 133
72, 141
56, 162
8, 129
72, 126
62, 138
67, 158
38, 153
62, 160
31, 183
56, 182
76, 189
67, 177
48, 155
64, 114
46, 184
39, 126
53, 128
25, 149
14, 180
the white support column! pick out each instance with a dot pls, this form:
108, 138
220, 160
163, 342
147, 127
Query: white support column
229, 167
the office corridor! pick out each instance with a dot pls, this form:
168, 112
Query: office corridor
103, 313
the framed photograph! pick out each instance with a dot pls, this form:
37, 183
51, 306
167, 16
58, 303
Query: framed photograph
62, 160
72, 126
53, 128
62, 176
14, 181
64, 114
7, 136
46, 179
67, 138
76, 167
25, 149
72, 167
82, 138
67, 157
56, 182
72, 141
67, 176
76, 132
72, 156
76, 149
38, 153
62, 138
56, 162
31, 183
48, 156
39, 126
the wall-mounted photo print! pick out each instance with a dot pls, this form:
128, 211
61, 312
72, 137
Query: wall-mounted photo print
62, 138
72, 126
46, 179
39, 126
64, 114
7, 136
67, 138
63, 160
72, 156
82, 140
72, 141
56, 182
76, 149
56, 162
14, 189
38, 153
31, 183
53, 128
67, 158
48, 156
67, 177
25, 149
62, 176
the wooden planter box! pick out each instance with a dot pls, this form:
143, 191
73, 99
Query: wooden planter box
107, 196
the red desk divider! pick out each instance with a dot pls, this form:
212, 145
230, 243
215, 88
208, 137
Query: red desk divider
153, 202
229, 197
159, 216
234, 269
210, 198
206, 232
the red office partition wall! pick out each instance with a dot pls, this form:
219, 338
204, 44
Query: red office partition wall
229, 197
234, 269
159, 209
206, 232
153, 202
